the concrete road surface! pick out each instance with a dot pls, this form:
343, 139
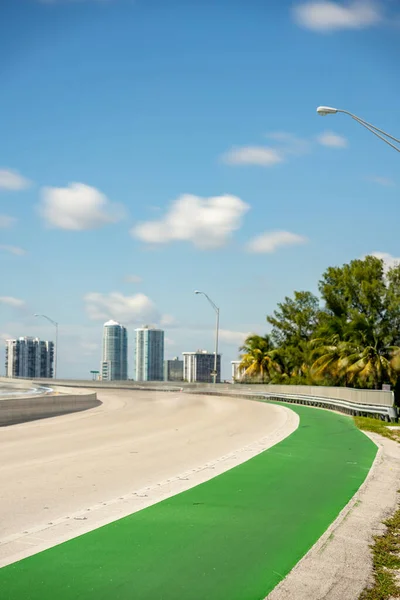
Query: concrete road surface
55, 469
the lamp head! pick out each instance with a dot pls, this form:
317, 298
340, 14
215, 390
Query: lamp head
197, 292
326, 110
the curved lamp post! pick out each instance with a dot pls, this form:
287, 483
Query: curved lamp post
323, 111
56, 349
215, 307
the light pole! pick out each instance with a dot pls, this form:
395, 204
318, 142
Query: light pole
215, 307
56, 349
323, 111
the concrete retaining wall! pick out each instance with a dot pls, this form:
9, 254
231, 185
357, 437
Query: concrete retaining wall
374, 397
349, 400
31, 408
356, 396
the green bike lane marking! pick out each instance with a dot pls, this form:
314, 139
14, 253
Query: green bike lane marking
234, 537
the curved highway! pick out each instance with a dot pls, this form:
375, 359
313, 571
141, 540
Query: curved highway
236, 536
14, 391
59, 471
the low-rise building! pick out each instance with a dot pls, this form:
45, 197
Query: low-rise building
173, 370
199, 366
237, 372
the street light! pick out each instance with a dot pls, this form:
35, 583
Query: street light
215, 307
56, 349
323, 111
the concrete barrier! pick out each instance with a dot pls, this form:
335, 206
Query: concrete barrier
26, 408
352, 401
359, 396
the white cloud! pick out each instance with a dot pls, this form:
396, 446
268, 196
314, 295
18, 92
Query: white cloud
6, 221
235, 338
270, 241
133, 279
290, 143
331, 139
385, 181
205, 222
262, 156
10, 301
325, 16
168, 342
77, 207
285, 145
389, 261
13, 249
12, 181
138, 309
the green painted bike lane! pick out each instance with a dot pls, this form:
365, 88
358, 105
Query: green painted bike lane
231, 538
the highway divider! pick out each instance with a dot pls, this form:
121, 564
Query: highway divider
58, 401
356, 402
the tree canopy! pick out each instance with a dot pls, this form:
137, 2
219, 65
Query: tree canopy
349, 336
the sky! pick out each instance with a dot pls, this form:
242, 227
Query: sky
149, 148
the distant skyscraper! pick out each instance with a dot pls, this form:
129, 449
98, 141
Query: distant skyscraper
173, 370
198, 366
29, 357
114, 365
149, 359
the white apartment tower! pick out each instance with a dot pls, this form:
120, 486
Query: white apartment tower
149, 358
29, 357
114, 365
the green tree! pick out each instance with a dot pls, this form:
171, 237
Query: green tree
257, 360
352, 339
293, 325
362, 312
295, 319
356, 288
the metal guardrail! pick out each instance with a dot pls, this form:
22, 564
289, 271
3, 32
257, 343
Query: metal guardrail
388, 412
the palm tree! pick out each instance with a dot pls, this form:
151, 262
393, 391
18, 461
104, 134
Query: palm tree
376, 366
376, 362
257, 360
356, 362
331, 358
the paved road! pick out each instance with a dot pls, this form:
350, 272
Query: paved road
54, 468
235, 536
13, 390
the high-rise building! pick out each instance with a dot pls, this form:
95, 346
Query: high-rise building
114, 365
173, 370
12, 358
149, 359
199, 366
29, 357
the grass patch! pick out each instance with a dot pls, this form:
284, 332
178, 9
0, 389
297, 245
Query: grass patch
386, 559
386, 548
378, 426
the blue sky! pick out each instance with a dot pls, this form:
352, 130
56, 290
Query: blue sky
149, 148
